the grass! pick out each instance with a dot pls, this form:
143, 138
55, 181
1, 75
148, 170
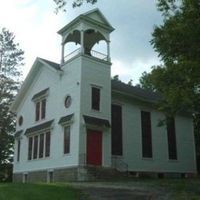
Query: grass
187, 189
180, 189
16, 191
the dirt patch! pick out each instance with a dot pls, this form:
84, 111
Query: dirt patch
115, 194
105, 191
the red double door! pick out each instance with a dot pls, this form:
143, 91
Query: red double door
94, 147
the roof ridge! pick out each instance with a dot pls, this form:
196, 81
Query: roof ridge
146, 94
132, 86
48, 60
51, 63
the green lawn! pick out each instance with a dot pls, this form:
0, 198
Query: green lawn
38, 192
185, 189
180, 189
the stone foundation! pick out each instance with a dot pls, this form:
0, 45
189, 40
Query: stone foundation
161, 175
65, 174
57, 175
18, 178
81, 173
87, 173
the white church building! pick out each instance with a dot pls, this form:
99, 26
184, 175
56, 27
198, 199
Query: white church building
75, 123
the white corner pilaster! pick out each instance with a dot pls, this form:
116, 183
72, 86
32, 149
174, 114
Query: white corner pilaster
82, 41
62, 54
108, 50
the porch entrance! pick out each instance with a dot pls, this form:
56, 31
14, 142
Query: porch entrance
94, 147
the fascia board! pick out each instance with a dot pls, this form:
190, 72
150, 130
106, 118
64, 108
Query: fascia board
48, 66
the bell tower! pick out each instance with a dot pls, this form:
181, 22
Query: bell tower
94, 69
86, 30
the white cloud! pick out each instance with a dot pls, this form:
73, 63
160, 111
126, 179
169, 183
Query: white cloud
35, 25
133, 71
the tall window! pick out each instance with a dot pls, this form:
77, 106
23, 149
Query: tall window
146, 134
40, 110
43, 108
18, 150
116, 130
30, 148
95, 98
47, 144
37, 111
39, 146
66, 139
35, 147
171, 135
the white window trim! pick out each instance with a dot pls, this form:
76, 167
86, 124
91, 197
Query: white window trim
100, 96
64, 126
38, 148
40, 109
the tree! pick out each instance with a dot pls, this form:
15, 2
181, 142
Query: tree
130, 82
11, 58
177, 42
61, 4
116, 78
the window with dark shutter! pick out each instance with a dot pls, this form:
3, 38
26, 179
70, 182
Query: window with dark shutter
146, 134
37, 111
116, 130
18, 150
171, 135
43, 109
41, 146
47, 144
30, 147
66, 139
95, 98
40, 110
35, 147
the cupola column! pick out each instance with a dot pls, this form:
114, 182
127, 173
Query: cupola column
62, 54
82, 41
108, 50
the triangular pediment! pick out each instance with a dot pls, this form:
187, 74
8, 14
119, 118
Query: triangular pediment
94, 17
39, 62
97, 15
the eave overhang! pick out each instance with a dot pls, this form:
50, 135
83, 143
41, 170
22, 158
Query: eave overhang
39, 128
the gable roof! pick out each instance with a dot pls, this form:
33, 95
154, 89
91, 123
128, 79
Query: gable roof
98, 16
39, 62
94, 15
51, 64
135, 92
117, 86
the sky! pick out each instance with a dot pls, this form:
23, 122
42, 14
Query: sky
35, 26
